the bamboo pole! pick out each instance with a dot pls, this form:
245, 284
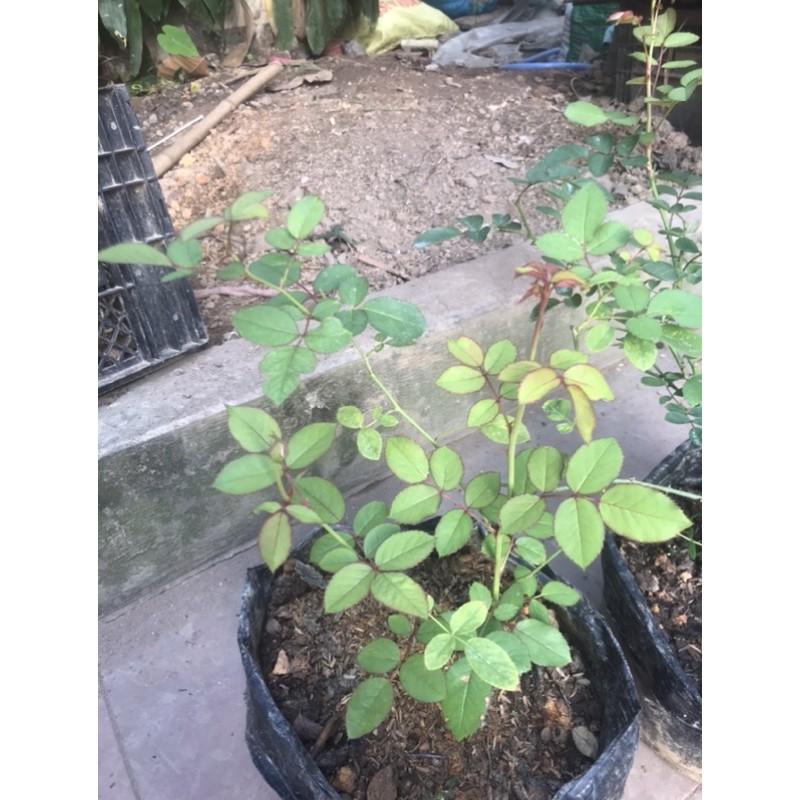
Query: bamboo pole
169, 157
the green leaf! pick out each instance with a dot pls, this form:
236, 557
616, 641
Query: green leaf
560, 594
377, 536
559, 246
265, 324
404, 550
406, 459
414, 504
370, 515
199, 227
516, 650
399, 625
491, 663
632, 298
461, 380
309, 443
469, 617
482, 489
599, 337
532, 550
682, 341
644, 328
564, 359
546, 645
347, 587
283, 368
642, 514
337, 558
401, 322
326, 544
304, 216
480, 593
593, 466
436, 236
254, 429
133, 253
304, 514
510, 602
176, 42
323, 497
350, 417
368, 706
446, 468
681, 39
590, 380
465, 700
545, 466
466, 350
482, 413
247, 474
354, 321
231, 272
521, 513
610, 236
248, 206
281, 239
423, 684
683, 307
370, 444
599, 163
584, 213
276, 269
331, 278
538, 384
353, 290
313, 249
400, 593
330, 336
379, 656
692, 391
579, 530
438, 651
499, 356
275, 540
543, 528
452, 532
587, 114
641, 353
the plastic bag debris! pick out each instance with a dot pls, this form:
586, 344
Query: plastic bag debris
464, 8
399, 20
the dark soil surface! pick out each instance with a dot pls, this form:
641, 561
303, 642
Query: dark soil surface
672, 583
390, 148
524, 749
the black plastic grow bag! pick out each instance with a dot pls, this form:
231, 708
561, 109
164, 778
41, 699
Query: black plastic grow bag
292, 773
672, 704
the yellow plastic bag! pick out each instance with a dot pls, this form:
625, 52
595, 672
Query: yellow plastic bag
398, 20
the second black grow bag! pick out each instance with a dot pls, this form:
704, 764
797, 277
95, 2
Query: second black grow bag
288, 768
672, 703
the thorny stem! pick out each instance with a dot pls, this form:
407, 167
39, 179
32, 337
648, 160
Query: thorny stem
391, 398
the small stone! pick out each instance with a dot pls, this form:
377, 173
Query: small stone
282, 666
382, 785
273, 626
585, 741
306, 729
202, 179
187, 103
345, 780
152, 120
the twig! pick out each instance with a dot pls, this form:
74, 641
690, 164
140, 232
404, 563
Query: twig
174, 133
370, 262
234, 291
326, 733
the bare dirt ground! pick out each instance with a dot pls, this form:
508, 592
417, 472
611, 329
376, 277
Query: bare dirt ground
391, 149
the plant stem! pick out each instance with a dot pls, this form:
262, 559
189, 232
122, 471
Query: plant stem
665, 489
338, 537
512, 443
689, 539
293, 300
391, 398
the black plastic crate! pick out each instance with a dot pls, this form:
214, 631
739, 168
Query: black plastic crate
142, 323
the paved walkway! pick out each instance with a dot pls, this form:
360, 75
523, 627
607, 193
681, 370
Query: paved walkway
171, 684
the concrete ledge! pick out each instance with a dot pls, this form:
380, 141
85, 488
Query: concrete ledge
163, 441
